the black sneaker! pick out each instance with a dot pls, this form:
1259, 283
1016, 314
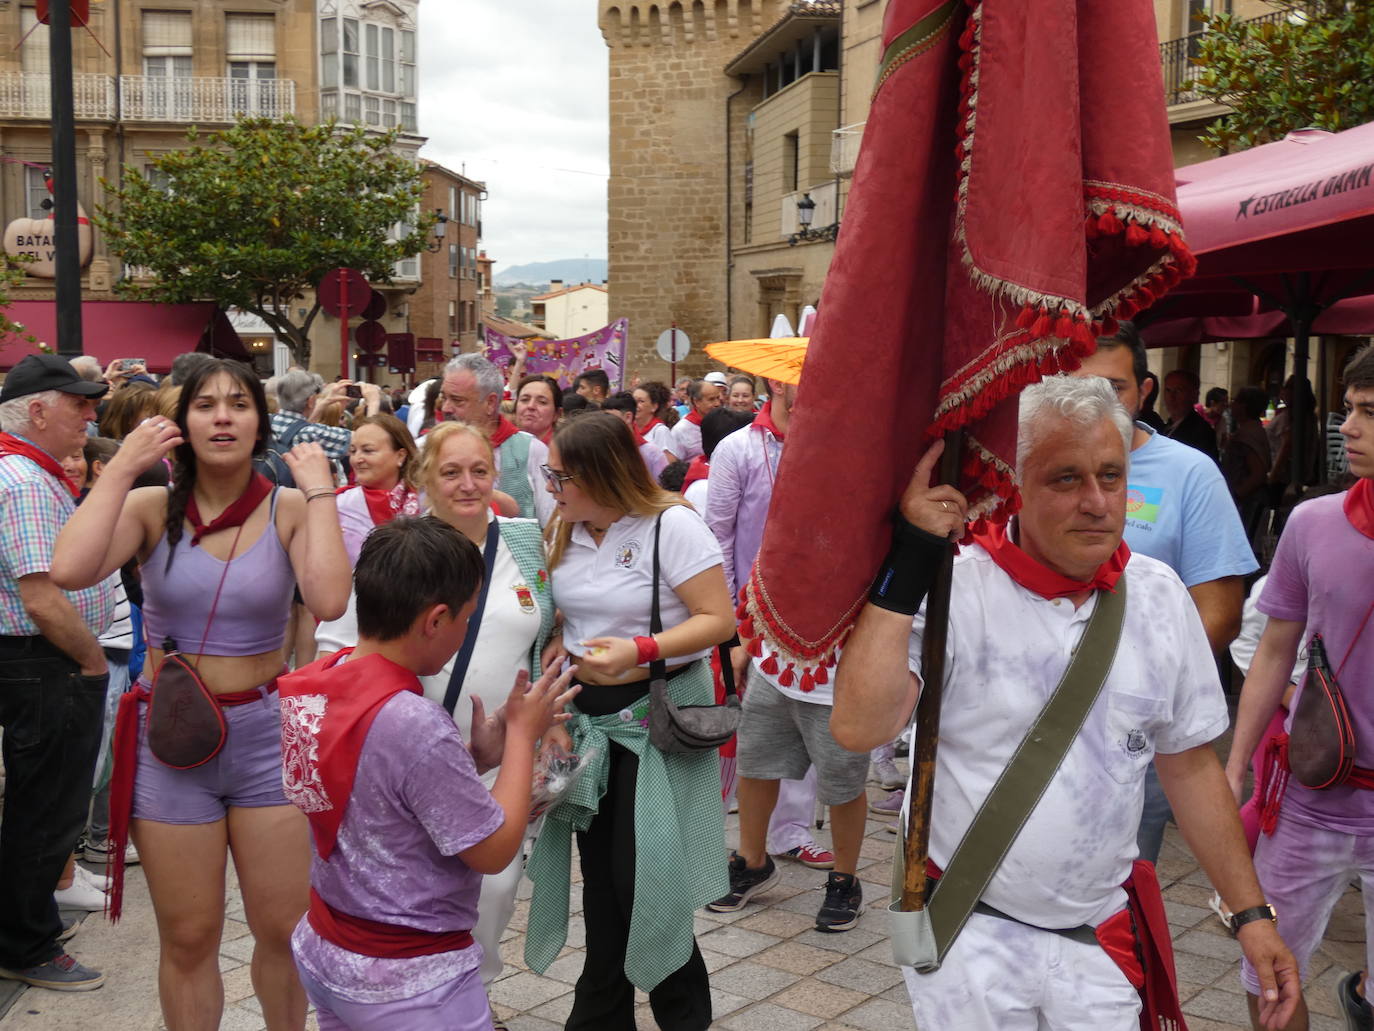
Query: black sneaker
60, 974
1358, 1014
745, 883
843, 905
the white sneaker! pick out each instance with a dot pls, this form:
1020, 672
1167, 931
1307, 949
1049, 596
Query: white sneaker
100, 882
886, 774
80, 896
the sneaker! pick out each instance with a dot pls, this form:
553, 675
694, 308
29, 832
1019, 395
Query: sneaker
100, 882
1359, 1016
1223, 914
889, 806
844, 903
885, 773
70, 925
102, 853
812, 855
745, 884
61, 974
80, 895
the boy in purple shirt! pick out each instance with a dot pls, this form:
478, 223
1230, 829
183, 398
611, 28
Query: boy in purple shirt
402, 828
1322, 581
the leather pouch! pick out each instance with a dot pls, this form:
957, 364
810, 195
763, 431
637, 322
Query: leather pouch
186, 726
1321, 741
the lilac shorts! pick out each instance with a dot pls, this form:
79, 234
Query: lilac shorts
246, 773
1303, 872
457, 1005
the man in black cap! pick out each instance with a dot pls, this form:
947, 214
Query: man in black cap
52, 669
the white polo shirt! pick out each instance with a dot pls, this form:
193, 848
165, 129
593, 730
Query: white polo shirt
660, 436
686, 442
608, 591
1007, 650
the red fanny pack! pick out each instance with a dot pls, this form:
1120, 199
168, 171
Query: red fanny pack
382, 941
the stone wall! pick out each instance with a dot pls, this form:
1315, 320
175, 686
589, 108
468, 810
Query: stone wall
666, 195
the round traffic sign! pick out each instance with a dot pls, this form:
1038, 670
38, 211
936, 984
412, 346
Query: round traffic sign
376, 306
370, 336
344, 292
673, 345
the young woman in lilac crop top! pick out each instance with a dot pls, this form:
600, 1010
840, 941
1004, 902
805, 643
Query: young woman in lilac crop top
187, 822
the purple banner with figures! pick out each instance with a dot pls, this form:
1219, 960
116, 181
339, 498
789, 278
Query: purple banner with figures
564, 360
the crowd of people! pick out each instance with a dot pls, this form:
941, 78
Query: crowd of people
389, 613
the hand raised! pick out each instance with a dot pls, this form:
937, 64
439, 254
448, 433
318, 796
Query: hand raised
147, 443
532, 709
488, 738
940, 510
310, 467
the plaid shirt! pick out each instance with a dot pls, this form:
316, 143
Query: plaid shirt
33, 508
334, 439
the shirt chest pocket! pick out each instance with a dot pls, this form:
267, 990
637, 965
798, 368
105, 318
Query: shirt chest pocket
1132, 722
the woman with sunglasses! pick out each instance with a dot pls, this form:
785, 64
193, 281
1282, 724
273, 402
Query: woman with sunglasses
510, 628
657, 828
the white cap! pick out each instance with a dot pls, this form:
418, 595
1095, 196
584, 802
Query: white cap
717, 378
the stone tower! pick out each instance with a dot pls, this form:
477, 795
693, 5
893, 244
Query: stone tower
667, 197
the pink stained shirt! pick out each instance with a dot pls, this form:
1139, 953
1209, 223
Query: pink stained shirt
1323, 576
743, 468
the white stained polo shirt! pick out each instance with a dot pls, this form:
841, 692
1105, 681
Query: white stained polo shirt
607, 591
1007, 650
686, 443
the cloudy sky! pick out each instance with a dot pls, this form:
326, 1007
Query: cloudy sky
514, 91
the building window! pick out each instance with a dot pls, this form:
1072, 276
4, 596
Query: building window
33, 55
329, 104
453, 203
35, 192
157, 179
353, 108
350, 52
407, 57
452, 318
251, 50
167, 63
453, 261
408, 119
791, 158
372, 110
388, 114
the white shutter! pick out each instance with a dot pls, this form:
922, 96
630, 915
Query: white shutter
250, 37
166, 33
33, 54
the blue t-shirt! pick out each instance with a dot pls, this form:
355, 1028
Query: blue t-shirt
1179, 511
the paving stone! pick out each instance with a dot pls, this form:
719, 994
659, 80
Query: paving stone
819, 999
1217, 1005
753, 980
531, 1023
879, 1015
1181, 915
735, 941
767, 1017
780, 923
845, 941
861, 975
798, 958
1202, 944
566, 969
240, 949
723, 1004
524, 990
556, 1010
1200, 969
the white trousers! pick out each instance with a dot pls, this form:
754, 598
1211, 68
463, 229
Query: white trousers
495, 907
1005, 976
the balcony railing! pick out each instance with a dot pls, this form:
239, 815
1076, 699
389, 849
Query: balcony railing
27, 95
1180, 56
844, 148
154, 98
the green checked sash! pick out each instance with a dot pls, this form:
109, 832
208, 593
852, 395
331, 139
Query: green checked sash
526, 543
1015, 795
514, 480
680, 862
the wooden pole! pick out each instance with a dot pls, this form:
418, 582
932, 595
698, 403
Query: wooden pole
926, 740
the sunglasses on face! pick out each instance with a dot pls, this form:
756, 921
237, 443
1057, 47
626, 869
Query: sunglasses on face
555, 480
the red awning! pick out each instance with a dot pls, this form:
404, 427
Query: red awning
126, 329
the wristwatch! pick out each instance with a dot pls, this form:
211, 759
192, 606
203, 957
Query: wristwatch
1261, 912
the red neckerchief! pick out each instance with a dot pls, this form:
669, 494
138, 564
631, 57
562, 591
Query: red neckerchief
655, 421
764, 420
1042, 580
1359, 506
700, 469
385, 505
639, 437
505, 429
321, 745
547, 438
694, 417
235, 515
12, 445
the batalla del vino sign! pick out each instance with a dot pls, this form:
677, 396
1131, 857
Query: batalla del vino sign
35, 240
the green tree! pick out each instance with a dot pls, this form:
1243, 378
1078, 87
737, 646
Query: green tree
254, 216
1312, 66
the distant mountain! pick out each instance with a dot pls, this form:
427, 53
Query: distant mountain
570, 270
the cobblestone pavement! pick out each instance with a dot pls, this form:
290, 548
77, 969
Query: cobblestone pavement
770, 969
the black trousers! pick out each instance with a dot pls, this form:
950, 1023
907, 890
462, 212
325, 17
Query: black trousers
604, 998
52, 717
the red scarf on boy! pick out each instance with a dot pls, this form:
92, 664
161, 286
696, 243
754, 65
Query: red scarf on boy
327, 708
1359, 506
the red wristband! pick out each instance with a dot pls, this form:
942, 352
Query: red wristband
648, 649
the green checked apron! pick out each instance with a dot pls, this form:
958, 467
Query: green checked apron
514, 460
680, 862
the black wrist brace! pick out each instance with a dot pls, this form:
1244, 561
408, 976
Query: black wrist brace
909, 569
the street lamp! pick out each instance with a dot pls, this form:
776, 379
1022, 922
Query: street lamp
440, 229
806, 214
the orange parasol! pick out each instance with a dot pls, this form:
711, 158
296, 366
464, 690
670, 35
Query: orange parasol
777, 358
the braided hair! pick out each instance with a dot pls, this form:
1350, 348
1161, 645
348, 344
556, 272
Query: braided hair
184, 471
